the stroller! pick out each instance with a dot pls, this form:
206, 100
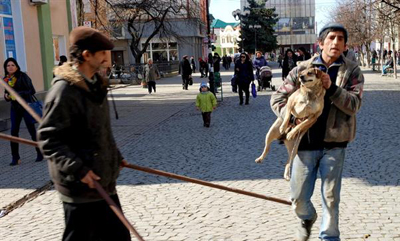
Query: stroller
264, 78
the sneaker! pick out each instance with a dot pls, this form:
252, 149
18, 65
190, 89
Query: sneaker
304, 231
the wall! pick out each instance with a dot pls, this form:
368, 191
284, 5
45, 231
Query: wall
59, 23
32, 45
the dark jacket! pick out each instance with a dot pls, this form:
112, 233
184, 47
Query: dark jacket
217, 63
24, 88
184, 68
244, 72
75, 135
287, 67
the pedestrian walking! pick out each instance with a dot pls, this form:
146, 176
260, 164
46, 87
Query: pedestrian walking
206, 103
202, 68
22, 84
151, 74
289, 62
259, 62
210, 68
322, 148
280, 60
186, 71
193, 64
303, 54
244, 76
216, 69
76, 138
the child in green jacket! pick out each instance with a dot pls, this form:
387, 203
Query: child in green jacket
206, 103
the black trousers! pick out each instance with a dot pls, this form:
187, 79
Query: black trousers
151, 85
244, 87
94, 221
185, 82
17, 114
206, 118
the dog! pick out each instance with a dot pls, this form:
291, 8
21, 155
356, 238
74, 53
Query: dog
305, 104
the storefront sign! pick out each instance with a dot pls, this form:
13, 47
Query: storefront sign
9, 38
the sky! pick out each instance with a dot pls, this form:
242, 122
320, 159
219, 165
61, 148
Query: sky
222, 9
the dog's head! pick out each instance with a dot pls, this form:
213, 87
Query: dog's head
310, 77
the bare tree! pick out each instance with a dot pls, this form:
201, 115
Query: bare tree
145, 20
358, 18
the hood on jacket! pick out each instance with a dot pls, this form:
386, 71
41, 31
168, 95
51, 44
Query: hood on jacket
67, 73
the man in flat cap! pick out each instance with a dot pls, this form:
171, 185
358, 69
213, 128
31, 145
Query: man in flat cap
322, 148
76, 138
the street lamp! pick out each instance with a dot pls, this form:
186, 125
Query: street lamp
255, 27
237, 15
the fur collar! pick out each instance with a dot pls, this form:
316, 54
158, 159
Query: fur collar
67, 73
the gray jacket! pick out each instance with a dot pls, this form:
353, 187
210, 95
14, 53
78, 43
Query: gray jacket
75, 136
345, 101
151, 72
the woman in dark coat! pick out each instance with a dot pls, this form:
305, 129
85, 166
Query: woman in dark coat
22, 84
303, 54
289, 62
244, 76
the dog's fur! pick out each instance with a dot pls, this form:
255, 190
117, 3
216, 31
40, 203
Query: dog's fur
305, 104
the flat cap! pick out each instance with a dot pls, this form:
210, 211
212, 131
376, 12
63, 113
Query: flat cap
335, 26
89, 39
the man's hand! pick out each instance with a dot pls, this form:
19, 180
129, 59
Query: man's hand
326, 80
89, 178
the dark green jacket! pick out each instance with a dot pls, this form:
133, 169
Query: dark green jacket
76, 136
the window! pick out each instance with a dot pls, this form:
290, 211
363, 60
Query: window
162, 51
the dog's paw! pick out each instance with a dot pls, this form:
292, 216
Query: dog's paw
283, 129
290, 135
259, 160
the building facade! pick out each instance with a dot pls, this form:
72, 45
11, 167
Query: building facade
193, 39
296, 25
227, 37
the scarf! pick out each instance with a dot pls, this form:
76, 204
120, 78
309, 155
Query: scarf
11, 80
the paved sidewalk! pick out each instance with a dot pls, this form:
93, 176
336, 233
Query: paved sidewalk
164, 131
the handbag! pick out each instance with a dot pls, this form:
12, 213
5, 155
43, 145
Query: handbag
190, 81
253, 90
36, 105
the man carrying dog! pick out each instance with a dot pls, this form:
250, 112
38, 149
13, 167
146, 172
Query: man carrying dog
76, 138
323, 147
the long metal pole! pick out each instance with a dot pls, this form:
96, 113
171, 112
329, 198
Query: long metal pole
169, 175
204, 183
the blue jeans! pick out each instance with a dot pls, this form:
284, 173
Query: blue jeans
384, 68
304, 174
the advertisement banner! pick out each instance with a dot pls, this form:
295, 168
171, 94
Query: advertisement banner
9, 38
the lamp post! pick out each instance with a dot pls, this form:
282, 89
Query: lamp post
255, 27
238, 14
